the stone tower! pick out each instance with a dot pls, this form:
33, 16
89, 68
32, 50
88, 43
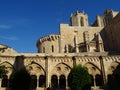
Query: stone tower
79, 19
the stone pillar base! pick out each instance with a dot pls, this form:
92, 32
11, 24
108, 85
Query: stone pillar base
40, 88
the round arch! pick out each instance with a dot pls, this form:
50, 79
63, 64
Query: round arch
4, 81
54, 81
33, 82
61, 68
62, 81
42, 80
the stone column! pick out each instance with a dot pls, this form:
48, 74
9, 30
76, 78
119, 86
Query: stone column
46, 69
0, 82
94, 81
37, 81
58, 82
66, 83
59, 44
102, 69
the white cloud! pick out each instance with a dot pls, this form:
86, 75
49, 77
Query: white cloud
5, 26
10, 38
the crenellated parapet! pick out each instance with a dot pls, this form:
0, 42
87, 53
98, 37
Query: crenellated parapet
48, 44
51, 37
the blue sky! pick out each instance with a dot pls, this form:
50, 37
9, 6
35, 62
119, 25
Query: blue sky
23, 22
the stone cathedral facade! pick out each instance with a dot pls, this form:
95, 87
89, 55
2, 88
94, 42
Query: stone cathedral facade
95, 46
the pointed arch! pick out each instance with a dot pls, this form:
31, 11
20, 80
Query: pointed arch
6, 62
92, 65
92, 68
112, 67
29, 66
9, 67
63, 64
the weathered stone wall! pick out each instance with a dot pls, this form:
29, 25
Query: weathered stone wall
60, 64
112, 34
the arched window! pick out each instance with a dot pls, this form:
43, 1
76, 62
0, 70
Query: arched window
62, 81
5, 81
33, 82
92, 80
99, 80
54, 81
42, 81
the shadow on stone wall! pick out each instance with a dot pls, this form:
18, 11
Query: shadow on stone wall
20, 78
114, 80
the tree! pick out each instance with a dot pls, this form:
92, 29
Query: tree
3, 72
79, 78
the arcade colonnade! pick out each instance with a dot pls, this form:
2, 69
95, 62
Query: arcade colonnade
52, 71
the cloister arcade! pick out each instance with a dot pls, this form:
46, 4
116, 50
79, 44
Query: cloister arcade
58, 72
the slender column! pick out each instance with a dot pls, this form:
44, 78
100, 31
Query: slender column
0, 82
37, 81
66, 83
94, 81
46, 69
59, 44
102, 70
58, 82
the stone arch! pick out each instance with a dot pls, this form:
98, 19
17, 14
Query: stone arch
9, 67
42, 80
64, 64
54, 81
92, 80
98, 80
112, 67
33, 82
92, 68
6, 63
35, 68
110, 71
62, 81
61, 68
4, 81
95, 74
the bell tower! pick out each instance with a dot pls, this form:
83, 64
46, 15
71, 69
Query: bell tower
79, 19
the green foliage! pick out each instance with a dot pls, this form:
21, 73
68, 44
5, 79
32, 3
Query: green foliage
78, 78
3, 71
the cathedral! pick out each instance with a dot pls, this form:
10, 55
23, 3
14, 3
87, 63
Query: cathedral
95, 47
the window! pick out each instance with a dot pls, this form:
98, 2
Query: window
43, 49
52, 48
82, 21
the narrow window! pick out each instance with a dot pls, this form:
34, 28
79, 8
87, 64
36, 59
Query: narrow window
52, 48
82, 21
43, 49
